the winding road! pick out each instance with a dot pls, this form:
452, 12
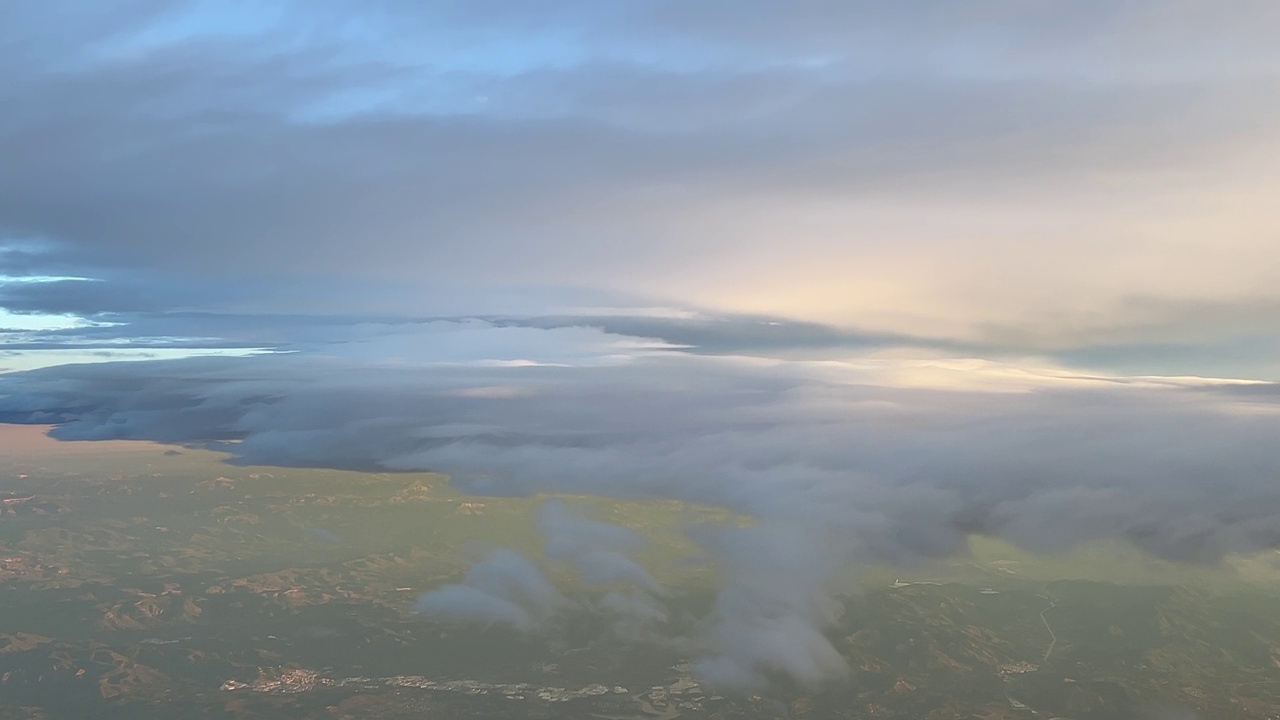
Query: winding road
1053, 639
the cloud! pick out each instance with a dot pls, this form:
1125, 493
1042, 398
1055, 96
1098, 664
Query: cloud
771, 611
976, 174
467, 604
597, 549
599, 552
870, 460
505, 587
637, 615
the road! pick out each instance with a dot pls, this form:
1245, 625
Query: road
1053, 639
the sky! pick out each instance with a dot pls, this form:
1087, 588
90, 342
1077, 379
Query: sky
878, 275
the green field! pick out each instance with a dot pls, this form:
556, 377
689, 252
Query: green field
136, 583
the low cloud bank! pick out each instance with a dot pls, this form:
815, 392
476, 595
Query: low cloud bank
505, 587
600, 552
839, 463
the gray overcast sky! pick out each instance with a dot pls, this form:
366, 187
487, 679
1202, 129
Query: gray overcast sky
1041, 174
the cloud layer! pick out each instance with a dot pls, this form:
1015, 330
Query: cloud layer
840, 463
1042, 176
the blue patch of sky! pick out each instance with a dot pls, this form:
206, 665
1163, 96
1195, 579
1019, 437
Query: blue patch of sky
11, 321
23, 360
194, 22
26, 322
4, 279
41, 333
1253, 357
434, 63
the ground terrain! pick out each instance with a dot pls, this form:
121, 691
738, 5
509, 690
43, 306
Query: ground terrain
138, 581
